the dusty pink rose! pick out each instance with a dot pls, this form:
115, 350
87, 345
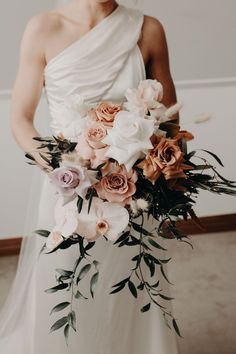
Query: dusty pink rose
105, 113
118, 185
90, 145
73, 179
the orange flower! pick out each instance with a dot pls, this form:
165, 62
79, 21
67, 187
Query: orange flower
105, 113
166, 158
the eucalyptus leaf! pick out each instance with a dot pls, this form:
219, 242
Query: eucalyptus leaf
156, 245
79, 295
165, 297
43, 233
60, 307
72, 320
56, 288
84, 271
132, 289
118, 289
146, 307
58, 324
93, 283
66, 333
176, 327
64, 272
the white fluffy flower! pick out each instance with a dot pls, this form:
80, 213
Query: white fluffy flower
142, 204
144, 98
129, 138
70, 118
104, 219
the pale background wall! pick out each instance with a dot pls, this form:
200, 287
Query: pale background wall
196, 31
201, 34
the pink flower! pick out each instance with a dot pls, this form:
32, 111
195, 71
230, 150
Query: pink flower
145, 98
105, 113
90, 145
72, 179
118, 185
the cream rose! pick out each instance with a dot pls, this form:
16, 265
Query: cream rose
129, 138
145, 98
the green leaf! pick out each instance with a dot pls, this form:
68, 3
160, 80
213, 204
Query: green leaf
156, 284
146, 307
56, 288
29, 156
64, 272
123, 237
139, 229
176, 327
141, 286
60, 307
66, 333
58, 324
164, 275
124, 281
45, 158
79, 204
156, 245
119, 288
132, 289
72, 320
96, 265
165, 297
43, 233
79, 295
84, 271
93, 283
164, 261
214, 155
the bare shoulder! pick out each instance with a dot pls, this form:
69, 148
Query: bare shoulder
153, 33
43, 24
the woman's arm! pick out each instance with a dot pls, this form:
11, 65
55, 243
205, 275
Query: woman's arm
158, 65
28, 88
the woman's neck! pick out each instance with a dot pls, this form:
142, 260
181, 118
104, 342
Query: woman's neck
92, 11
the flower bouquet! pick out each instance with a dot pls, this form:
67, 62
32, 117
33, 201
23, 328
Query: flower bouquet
114, 167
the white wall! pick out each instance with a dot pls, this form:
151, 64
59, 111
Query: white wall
201, 34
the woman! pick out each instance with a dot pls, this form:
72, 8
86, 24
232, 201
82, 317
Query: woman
97, 49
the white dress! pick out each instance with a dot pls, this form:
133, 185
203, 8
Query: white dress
99, 66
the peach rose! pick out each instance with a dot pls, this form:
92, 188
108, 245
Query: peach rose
166, 158
118, 185
90, 145
105, 113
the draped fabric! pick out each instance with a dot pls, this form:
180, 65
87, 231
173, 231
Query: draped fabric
99, 66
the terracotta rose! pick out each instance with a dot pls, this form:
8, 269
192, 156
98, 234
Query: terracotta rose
166, 158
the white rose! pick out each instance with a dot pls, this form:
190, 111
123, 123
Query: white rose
144, 98
129, 138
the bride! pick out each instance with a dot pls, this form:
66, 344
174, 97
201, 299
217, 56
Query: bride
95, 49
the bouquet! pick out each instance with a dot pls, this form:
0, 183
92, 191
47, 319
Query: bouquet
115, 165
